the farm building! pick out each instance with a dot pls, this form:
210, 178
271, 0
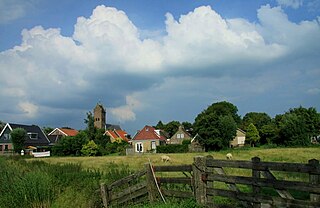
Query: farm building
239, 139
180, 135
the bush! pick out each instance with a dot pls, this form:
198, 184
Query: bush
173, 148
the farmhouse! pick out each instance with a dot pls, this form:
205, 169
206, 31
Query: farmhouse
147, 140
55, 135
36, 138
117, 135
180, 135
239, 139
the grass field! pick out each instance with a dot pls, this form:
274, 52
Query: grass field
73, 181
298, 155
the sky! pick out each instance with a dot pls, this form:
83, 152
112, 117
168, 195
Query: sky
151, 60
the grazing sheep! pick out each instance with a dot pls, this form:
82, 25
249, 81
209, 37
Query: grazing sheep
165, 158
229, 156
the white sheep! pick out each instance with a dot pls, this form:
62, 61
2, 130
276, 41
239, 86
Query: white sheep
165, 158
229, 156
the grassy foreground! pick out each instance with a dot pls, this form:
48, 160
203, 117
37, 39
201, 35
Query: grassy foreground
60, 182
297, 155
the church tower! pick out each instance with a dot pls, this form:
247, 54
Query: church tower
99, 115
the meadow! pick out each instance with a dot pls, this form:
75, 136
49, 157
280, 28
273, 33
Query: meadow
74, 181
298, 155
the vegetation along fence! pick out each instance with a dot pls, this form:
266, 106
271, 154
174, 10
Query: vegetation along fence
221, 183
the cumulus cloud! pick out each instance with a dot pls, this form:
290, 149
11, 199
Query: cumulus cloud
126, 112
295, 4
108, 59
11, 10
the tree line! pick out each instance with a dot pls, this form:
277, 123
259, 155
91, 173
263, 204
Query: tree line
217, 125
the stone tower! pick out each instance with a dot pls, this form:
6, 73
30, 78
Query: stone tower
99, 115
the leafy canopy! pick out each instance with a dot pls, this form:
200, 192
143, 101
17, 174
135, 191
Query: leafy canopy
18, 138
217, 125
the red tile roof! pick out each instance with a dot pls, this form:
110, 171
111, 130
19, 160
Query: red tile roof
148, 133
117, 134
69, 132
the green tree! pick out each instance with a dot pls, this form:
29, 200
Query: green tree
188, 127
257, 119
89, 149
71, 145
293, 131
268, 133
91, 129
171, 127
18, 138
216, 125
252, 135
160, 125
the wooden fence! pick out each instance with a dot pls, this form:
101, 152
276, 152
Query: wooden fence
202, 181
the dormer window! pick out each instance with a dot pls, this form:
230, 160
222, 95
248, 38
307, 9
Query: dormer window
33, 135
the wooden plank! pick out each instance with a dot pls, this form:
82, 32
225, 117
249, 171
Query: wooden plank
104, 195
179, 194
175, 168
315, 180
126, 179
264, 166
180, 180
131, 197
256, 176
281, 191
199, 184
231, 185
151, 186
129, 190
273, 201
263, 182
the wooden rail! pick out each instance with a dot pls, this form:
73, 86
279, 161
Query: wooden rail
200, 179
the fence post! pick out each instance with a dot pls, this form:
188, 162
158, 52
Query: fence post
314, 179
255, 176
104, 194
198, 169
152, 192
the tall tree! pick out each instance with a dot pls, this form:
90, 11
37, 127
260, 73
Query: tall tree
160, 125
257, 119
252, 135
172, 127
293, 131
18, 138
216, 125
91, 129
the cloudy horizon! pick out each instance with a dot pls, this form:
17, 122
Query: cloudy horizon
192, 56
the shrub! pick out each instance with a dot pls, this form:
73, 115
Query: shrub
172, 148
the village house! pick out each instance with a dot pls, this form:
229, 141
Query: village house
36, 137
239, 139
117, 135
55, 135
180, 136
147, 140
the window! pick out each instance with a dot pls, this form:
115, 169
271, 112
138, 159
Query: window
6, 147
182, 136
6, 136
139, 147
178, 136
1, 147
33, 135
153, 145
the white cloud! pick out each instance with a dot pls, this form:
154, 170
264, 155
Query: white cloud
126, 112
201, 55
295, 4
29, 109
11, 10
313, 91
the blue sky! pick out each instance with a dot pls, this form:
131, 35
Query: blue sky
155, 60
